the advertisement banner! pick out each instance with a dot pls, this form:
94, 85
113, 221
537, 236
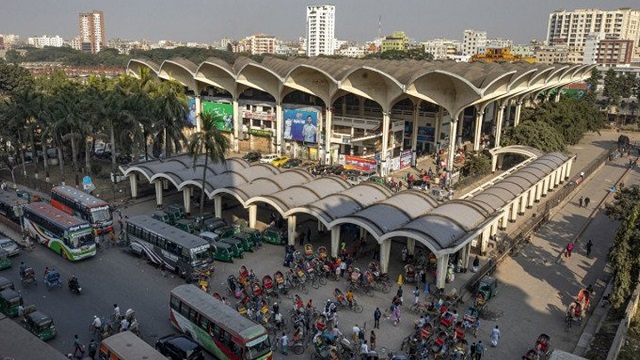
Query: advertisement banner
301, 125
405, 159
426, 133
222, 114
359, 163
192, 115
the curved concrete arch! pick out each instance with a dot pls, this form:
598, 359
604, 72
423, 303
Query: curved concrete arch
517, 149
523, 78
368, 88
136, 169
498, 84
539, 77
321, 85
184, 75
444, 88
216, 75
309, 211
137, 64
252, 74
233, 191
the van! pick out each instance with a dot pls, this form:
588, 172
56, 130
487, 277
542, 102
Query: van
266, 159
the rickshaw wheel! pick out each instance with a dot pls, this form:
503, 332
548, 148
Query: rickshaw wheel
358, 308
315, 284
298, 348
323, 281
385, 289
305, 290
369, 292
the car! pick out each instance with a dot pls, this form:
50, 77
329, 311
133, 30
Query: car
439, 194
366, 175
292, 163
252, 156
9, 246
179, 347
266, 159
280, 161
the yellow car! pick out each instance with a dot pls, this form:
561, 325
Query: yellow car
279, 161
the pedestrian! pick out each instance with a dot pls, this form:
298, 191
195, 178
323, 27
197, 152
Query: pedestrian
472, 350
587, 200
364, 350
416, 294
495, 336
396, 315
476, 264
284, 342
356, 333
23, 268
569, 250
77, 347
93, 349
399, 294
581, 201
372, 340
589, 246
479, 351
116, 312
163, 270
343, 268
405, 252
376, 318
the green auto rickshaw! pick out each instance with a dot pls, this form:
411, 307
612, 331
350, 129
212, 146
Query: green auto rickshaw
175, 212
223, 252
226, 231
247, 241
254, 236
6, 284
5, 262
40, 325
163, 217
10, 302
236, 246
186, 225
488, 287
275, 236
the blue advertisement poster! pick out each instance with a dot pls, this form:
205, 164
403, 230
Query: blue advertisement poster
192, 115
300, 125
426, 133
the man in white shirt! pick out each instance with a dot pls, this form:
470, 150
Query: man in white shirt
364, 349
356, 331
97, 324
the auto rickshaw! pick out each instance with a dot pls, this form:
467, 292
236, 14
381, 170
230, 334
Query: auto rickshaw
224, 252
175, 212
254, 236
10, 301
186, 225
29, 277
5, 262
40, 324
236, 248
6, 284
245, 240
488, 287
275, 236
226, 231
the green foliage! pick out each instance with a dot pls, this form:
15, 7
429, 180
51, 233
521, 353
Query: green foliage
96, 168
476, 165
593, 82
414, 53
14, 78
195, 55
538, 134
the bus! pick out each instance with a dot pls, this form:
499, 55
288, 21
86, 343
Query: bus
77, 203
18, 343
127, 346
217, 327
11, 205
69, 236
186, 254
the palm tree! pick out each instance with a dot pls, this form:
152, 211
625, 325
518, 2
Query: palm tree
210, 141
171, 110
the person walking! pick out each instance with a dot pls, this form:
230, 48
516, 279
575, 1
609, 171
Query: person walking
372, 340
479, 351
587, 200
495, 336
581, 201
589, 246
569, 250
472, 350
416, 294
376, 318
93, 349
77, 347
476, 264
284, 342
396, 315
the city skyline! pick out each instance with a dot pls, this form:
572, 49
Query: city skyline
206, 21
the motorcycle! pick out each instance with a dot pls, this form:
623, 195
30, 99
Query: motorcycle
74, 286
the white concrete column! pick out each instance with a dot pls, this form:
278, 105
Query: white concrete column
499, 119
539, 190
328, 125
484, 239
557, 96
558, 176
531, 197
459, 127
335, 241
523, 202
494, 227
443, 262
568, 174
385, 252
467, 255
516, 119
199, 112
158, 185
237, 126
165, 184
545, 185
386, 124
217, 205
438, 125
504, 219
291, 230
186, 197
477, 134
414, 133
279, 129
133, 182
253, 214
513, 212
411, 246
452, 143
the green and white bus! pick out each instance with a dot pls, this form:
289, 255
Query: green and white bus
69, 236
217, 327
85, 206
162, 244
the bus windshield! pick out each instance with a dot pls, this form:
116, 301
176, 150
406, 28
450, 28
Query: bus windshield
100, 214
201, 255
83, 239
257, 347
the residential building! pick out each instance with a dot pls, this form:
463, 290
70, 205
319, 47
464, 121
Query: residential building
92, 31
352, 51
8, 40
398, 40
522, 51
42, 41
473, 40
76, 43
441, 49
607, 50
321, 30
557, 54
262, 44
573, 27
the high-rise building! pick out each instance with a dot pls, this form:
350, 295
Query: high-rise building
472, 41
42, 41
92, 31
572, 28
606, 50
321, 23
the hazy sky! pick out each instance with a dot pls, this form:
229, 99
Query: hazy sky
210, 20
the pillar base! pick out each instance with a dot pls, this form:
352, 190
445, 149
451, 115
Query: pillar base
512, 221
529, 207
159, 207
536, 201
521, 213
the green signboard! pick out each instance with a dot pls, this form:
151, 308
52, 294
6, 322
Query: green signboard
222, 114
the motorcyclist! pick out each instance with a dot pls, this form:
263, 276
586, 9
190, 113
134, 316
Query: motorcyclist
73, 283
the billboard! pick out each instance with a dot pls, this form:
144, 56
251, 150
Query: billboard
301, 125
426, 133
360, 163
222, 114
192, 115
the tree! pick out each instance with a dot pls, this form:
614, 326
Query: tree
592, 83
171, 109
14, 78
613, 89
212, 143
538, 134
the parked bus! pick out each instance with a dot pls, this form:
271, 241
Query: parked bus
18, 343
80, 204
11, 205
217, 327
127, 346
67, 235
176, 250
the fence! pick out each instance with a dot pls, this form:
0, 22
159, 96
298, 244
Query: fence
623, 328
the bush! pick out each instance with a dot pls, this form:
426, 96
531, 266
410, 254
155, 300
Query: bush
96, 169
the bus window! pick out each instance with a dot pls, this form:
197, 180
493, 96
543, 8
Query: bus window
216, 332
184, 310
236, 349
204, 322
226, 338
193, 316
175, 303
153, 238
145, 234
